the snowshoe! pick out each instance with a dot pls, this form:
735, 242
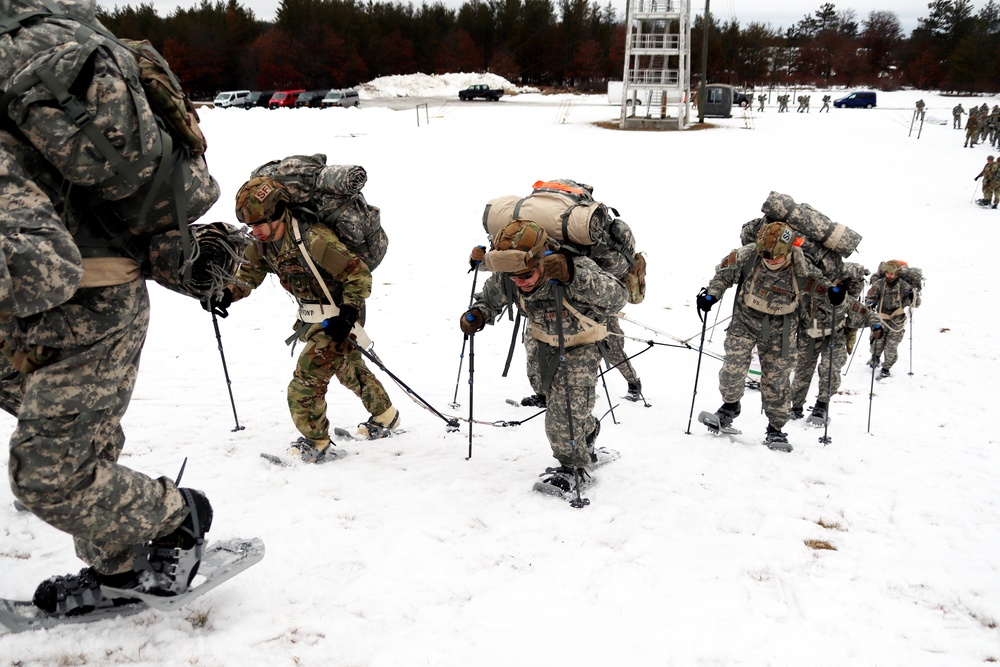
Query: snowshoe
79, 594
884, 373
715, 425
873, 362
634, 393
306, 450
820, 414
776, 440
167, 565
561, 480
381, 426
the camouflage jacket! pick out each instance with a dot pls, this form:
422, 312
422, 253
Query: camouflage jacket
779, 289
40, 265
888, 299
989, 172
350, 286
595, 293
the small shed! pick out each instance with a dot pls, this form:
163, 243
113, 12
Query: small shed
718, 100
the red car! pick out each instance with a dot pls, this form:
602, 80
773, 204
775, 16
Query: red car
284, 98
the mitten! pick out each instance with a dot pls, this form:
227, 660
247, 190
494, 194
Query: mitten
472, 321
339, 327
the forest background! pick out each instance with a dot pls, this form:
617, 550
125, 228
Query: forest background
569, 44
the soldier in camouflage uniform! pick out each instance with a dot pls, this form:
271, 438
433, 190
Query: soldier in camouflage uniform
590, 298
772, 274
971, 128
823, 332
991, 182
894, 288
956, 114
263, 204
826, 104
72, 329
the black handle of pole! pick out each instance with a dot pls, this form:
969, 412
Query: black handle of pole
225, 370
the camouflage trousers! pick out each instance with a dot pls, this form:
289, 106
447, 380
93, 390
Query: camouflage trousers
970, 135
991, 190
811, 351
613, 350
774, 369
570, 399
68, 437
888, 344
321, 360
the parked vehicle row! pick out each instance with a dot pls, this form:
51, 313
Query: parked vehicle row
291, 99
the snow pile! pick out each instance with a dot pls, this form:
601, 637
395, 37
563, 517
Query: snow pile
433, 85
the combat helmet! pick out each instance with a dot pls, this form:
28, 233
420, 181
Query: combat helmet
517, 247
261, 199
774, 240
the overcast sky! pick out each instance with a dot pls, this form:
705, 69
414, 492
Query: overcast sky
779, 13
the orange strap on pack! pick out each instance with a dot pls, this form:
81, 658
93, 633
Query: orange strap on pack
558, 186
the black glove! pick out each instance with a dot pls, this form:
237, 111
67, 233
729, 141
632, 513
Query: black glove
339, 327
836, 294
846, 284
219, 305
472, 321
877, 332
976, 178
706, 301
476, 257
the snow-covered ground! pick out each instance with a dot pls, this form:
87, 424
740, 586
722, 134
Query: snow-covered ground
695, 549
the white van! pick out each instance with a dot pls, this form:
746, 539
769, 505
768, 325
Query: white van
230, 98
341, 98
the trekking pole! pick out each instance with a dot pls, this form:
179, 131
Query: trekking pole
607, 393
451, 423
921, 128
825, 439
853, 352
461, 356
715, 324
911, 341
577, 502
704, 322
912, 121
871, 395
225, 370
472, 371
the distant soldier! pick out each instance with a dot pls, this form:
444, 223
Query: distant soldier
919, 111
991, 182
992, 126
971, 129
893, 289
761, 98
782, 103
807, 102
956, 115
826, 104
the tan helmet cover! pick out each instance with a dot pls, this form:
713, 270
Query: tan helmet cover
258, 200
516, 247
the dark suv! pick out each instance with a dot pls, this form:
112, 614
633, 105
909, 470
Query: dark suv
311, 98
257, 98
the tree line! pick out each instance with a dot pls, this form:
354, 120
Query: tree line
575, 44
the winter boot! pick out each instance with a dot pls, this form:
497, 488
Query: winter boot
634, 391
821, 410
873, 362
884, 373
167, 565
313, 451
534, 401
381, 426
796, 412
776, 440
75, 595
727, 413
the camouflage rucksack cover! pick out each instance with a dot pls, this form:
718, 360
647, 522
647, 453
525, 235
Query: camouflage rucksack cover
568, 213
110, 117
824, 242
332, 195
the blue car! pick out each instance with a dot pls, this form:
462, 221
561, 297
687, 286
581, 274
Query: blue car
863, 100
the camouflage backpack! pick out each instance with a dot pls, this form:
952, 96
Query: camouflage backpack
110, 117
568, 213
331, 195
